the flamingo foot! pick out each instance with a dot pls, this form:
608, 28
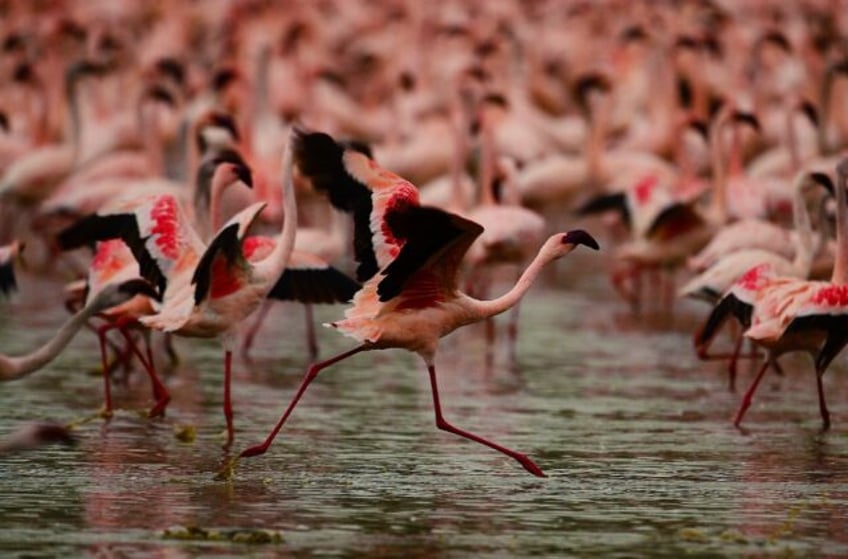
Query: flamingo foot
105, 412
158, 410
253, 451
229, 436
228, 470
529, 465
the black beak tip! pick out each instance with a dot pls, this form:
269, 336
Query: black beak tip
580, 237
141, 287
823, 180
244, 175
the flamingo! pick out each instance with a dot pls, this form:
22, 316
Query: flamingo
16, 367
207, 290
510, 231
791, 314
409, 257
114, 261
733, 282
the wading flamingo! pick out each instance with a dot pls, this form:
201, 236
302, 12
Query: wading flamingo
208, 291
114, 261
732, 284
801, 315
409, 256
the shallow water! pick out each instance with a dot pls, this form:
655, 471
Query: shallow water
633, 432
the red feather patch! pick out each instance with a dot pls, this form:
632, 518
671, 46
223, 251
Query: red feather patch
225, 279
832, 296
644, 188
164, 231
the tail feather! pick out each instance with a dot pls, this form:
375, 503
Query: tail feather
727, 307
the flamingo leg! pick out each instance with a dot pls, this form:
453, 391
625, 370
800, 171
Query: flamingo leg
825, 414
746, 400
311, 338
512, 329
443, 424
160, 393
228, 404
170, 350
107, 370
310, 375
250, 336
734, 359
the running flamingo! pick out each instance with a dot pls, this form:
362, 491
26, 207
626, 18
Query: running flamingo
409, 255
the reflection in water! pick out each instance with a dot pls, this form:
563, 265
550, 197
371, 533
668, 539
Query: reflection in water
633, 431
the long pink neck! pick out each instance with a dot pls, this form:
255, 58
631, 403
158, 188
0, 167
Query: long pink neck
12, 368
718, 206
806, 248
271, 267
486, 309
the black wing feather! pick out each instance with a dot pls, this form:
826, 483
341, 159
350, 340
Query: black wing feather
836, 327
95, 227
604, 203
314, 285
320, 158
7, 277
225, 242
427, 231
729, 306
672, 214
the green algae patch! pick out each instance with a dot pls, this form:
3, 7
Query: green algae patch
196, 533
185, 433
228, 470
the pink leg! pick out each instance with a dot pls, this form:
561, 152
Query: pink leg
160, 393
668, 286
825, 415
254, 328
442, 424
746, 400
311, 338
228, 405
170, 350
311, 373
512, 328
734, 358
107, 382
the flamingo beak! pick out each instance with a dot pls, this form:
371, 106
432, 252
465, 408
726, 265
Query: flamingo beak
580, 237
140, 287
747, 118
823, 180
243, 174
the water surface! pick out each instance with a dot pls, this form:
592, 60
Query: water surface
633, 432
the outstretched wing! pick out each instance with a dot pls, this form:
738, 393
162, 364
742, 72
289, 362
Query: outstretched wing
431, 239
124, 226
223, 268
310, 279
355, 184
